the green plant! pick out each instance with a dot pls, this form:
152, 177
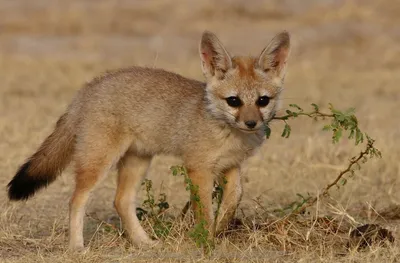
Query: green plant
295, 205
217, 195
153, 210
341, 122
200, 234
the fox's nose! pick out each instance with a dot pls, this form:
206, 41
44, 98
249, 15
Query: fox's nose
250, 124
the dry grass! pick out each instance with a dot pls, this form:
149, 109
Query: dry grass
345, 52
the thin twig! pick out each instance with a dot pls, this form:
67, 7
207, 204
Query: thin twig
102, 222
354, 160
341, 122
312, 114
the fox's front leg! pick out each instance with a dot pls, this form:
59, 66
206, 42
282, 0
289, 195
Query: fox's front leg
201, 188
231, 195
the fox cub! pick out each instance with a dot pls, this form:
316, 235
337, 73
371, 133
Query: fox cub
127, 116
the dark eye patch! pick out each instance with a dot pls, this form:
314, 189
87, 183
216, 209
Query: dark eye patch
234, 102
263, 101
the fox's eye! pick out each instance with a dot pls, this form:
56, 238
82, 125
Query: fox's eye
262, 101
234, 102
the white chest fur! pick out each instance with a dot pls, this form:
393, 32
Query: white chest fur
237, 146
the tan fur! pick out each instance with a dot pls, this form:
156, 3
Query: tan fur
131, 171
245, 66
129, 115
53, 150
232, 193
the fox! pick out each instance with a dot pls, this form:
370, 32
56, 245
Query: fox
124, 117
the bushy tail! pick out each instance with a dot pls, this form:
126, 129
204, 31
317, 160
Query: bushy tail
47, 163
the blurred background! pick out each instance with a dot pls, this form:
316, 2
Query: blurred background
344, 52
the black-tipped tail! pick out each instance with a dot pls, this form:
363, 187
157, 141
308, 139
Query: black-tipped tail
24, 185
47, 163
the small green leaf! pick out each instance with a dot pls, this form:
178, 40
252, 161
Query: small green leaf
224, 181
343, 181
286, 131
283, 133
350, 111
327, 127
337, 134
359, 136
295, 106
289, 130
315, 106
340, 117
267, 131
174, 170
351, 135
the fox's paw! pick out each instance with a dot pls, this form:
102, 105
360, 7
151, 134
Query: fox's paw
77, 249
146, 242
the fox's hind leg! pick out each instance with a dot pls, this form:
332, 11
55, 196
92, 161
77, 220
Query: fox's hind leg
95, 155
131, 171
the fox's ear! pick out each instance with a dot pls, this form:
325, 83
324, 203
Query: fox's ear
274, 57
215, 60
